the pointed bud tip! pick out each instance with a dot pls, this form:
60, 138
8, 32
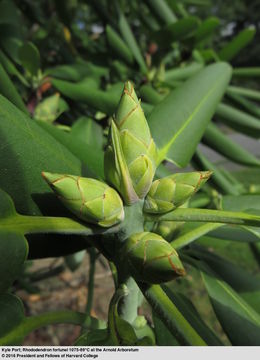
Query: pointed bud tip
50, 178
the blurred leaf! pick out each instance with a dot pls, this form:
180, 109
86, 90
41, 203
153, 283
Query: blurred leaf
73, 261
11, 315
206, 28
9, 91
229, 51
30, 58
163, 336
118, 46
162, 11
223, 144
50, 108
76, 72
183, 115
182, 73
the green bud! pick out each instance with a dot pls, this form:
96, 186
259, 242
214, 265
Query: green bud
151, 259
131, 155
90, 200
172, 191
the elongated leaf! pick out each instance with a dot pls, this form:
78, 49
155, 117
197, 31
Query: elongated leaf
237, 44
187, 308
246, 104
239, 320
240, 203
163, 336
76, 72
205, 215
30, 58
206, 29
88, 131
182, 73
193, 235
176, 31
11, 69
162, 11
246, 284
183, 115
91, 156
86, 92
27, 150
219, 178
11, 314
252, 94
8, 90
247, 71
214, 138
130, 40
118, 45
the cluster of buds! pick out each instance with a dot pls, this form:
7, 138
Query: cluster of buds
130, 158
130, 164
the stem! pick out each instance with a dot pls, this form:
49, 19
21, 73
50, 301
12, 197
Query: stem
55, 225
206, 215
32, 323
92, 262
171, 316
129, 305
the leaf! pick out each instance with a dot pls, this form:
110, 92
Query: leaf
91, 156
118, 45
223, 144
239, 120
183, 115
163, 336
162, 11
50, 108
250, 93
88, 131
246, 284
240, 203
176, 31
206, 29
11, 314
183, 73
188, 310
27, 150
73, 261
86, 92
30, 58
240, 322
229, 51
207, 215
247, 71
8, 89
130, 39
76, 72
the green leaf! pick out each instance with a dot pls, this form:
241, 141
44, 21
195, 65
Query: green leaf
11, 315
162, 11
163, 336
86, 92
74, 261
22, 161
8, 89
183, 115
247, 71
50, 108
130, 40
239, 120
183, 73
240, 203
176, 31
223, 144
188, 310
11, 69
250, 93
206, 29
238, 319
229, 51
89, 131
30, 58
118, 45
171, 316
205, 215
246, 284
90, 156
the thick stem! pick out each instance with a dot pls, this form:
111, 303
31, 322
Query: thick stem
171, 316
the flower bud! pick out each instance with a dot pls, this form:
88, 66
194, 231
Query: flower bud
172, 191
151, 259
90, 200
131, 154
